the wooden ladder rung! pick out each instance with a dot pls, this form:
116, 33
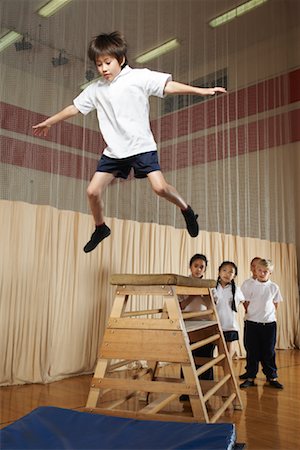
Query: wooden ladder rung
211, 363
203, 342
216, 387
190, 315
120, 401
158, 404
119, 364
141, 385
225, 405
144, 312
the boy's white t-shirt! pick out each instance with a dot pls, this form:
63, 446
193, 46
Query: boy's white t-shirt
261, 297
223, 300
123, 109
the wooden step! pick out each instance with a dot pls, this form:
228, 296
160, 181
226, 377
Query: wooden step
203, 342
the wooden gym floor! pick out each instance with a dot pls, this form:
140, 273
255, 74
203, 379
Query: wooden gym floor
270, 419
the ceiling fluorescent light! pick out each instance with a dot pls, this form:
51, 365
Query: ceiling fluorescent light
8, 39
235, 12
158, 51
52, 7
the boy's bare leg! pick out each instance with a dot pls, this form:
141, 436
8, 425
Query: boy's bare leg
95, 192
231, 349
165, 190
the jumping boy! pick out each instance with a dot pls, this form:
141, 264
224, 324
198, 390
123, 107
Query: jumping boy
121, 98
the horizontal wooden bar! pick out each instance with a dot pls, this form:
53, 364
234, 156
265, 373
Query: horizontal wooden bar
211, 363
140, 344
121, 401
190, 315
144, 323
117, 365
141, 416
188, 290
216, 387
143, 312
127, 384
223, 408
145, 290
160, 279
203, 342
158, 404
201, 360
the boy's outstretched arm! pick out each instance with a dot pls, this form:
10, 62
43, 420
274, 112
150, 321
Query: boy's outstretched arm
42, 129
173, 87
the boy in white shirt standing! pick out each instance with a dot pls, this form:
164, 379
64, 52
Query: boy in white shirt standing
262, 299
121, 98
247, 284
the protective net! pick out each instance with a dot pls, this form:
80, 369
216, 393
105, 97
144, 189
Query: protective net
234, 157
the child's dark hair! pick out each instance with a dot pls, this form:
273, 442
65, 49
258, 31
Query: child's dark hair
198, 256
233, 286
112, 44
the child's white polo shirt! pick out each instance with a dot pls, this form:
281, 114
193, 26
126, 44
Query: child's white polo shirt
223, 299
261, 297
123, 109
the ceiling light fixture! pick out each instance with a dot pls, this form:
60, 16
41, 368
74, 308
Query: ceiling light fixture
9, 39
60, 60
235, 12
158, 51
52, 7
23, 45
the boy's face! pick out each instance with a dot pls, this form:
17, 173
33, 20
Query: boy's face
198, 268
108, 67
262, 273
253, 268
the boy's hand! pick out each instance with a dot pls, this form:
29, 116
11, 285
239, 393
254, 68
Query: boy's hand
41, 129
212, 91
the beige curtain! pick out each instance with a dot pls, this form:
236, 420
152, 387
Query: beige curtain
55, 299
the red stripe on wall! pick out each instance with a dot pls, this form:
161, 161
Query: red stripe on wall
41, 158
20, 120
261, 135
258, 98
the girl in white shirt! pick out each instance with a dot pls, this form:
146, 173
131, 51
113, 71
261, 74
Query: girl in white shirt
190, 303
227, 297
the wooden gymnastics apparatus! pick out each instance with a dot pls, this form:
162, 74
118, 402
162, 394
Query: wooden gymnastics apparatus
163, 336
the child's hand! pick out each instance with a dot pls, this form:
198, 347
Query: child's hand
41, 129
212, 91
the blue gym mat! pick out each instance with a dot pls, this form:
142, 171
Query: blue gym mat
56, 428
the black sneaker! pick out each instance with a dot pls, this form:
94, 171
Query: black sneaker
191, 221
247, 384
275, 384
244, 376
100, 233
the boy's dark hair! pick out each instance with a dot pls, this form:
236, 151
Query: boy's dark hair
198, 256
233, 286
112, 44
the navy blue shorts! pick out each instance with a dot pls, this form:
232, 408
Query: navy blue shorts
231, 336
142, 164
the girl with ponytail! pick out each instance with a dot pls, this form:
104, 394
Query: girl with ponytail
227, 296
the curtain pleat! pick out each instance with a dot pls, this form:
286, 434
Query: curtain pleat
55, 299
